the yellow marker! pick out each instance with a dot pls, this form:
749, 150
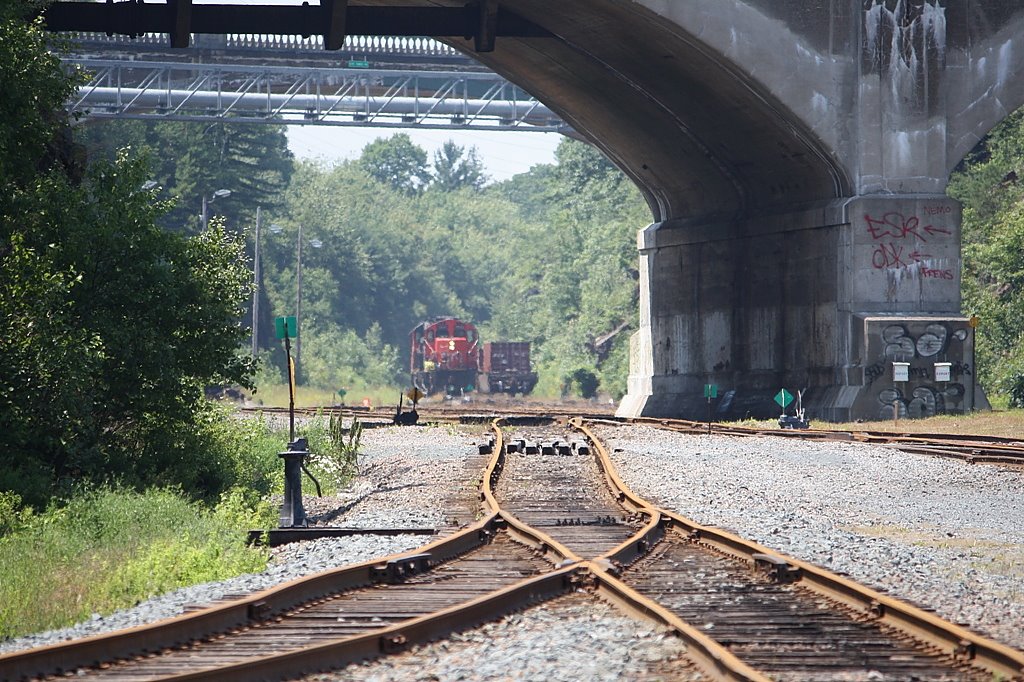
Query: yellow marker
291, 376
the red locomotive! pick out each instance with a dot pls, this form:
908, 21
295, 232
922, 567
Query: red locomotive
446, 355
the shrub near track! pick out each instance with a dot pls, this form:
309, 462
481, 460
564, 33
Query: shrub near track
111, 549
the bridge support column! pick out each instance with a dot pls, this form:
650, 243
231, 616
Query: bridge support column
821, 300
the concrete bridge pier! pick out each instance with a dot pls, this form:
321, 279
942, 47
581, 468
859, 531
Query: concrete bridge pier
822, 300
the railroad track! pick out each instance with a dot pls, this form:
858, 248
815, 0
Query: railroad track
978, 449
555, 519
972, 448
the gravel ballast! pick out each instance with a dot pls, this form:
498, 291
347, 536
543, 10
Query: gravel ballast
571, 639
940, 533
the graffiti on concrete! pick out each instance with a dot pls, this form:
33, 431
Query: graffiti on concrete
921, 346
901, 242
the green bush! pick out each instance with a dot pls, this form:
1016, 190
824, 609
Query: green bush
12, 516
112, 548
334, 450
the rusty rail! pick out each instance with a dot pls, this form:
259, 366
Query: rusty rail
599, 575
395, 638
66, 656
951, 639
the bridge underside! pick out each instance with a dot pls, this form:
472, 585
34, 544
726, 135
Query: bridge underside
791, 247
794, 157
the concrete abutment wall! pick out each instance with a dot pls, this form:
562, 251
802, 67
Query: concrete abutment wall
822, 300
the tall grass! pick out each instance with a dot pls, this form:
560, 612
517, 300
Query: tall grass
276, 395
110, 549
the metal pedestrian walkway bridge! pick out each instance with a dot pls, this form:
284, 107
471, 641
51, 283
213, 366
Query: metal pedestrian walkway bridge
373, 81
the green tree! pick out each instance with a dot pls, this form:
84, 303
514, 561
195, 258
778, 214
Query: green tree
114, 326
192, 160
989, 185
548, 257
455, 168
35, 89
397, 163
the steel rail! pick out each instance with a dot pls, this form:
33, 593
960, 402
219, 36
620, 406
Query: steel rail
598, 575
951, 639
65, 657
258, 607
713, 658
529, 536
973, 449
710, 656
395, 638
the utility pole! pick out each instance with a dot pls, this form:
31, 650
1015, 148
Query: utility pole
256, 288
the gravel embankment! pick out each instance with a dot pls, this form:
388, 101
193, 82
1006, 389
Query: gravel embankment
573, 638
405, 481
409, 477
939, 533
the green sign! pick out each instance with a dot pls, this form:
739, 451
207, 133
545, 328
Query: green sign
285, 327
784, 398
710, 391
358, 64
342, 393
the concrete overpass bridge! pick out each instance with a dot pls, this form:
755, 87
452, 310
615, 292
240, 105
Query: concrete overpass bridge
794, 156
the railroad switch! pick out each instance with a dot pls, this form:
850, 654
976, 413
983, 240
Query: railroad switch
788, 421
293, 515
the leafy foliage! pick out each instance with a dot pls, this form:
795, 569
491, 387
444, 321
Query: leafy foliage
397, 163
35, 89
455, 168
189, 161
115, 325
993, 254
112, 548
555, 266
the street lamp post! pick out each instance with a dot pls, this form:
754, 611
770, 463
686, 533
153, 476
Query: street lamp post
217, 194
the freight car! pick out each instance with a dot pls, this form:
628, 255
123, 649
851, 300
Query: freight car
446, 355
505, 368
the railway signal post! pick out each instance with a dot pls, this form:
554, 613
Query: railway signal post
710, 391
292, 512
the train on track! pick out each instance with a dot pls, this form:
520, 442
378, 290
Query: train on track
446, 356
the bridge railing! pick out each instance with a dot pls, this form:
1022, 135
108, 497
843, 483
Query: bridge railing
420, 47
289, 95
